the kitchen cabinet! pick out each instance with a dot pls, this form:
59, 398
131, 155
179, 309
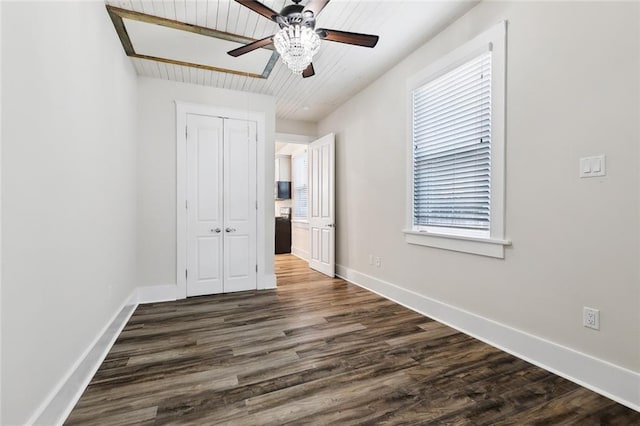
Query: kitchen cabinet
283, 168
283, 235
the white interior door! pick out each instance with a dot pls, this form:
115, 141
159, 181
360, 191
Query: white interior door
205, 223
240, 205
322, 232
221, 205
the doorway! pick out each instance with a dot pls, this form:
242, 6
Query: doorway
306, 219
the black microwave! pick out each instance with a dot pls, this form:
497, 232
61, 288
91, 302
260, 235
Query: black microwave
283, 190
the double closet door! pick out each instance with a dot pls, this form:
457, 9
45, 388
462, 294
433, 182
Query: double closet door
221, 205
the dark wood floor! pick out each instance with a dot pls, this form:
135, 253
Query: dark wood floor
320, 351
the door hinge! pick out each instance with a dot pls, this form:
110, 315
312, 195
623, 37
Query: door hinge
256, 268
256, 205
186, 132
186, 274
186, 204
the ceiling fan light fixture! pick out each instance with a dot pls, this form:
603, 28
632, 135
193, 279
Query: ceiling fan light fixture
297, 44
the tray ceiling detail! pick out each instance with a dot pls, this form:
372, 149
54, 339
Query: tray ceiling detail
159, 39
187, 41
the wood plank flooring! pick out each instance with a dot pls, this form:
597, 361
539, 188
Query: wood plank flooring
320, 351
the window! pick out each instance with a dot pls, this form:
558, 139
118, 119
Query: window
457, 149
300, 187
452, 149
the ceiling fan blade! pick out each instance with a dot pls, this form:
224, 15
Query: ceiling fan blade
308, 71
260, 8
315, 6
366, 40
251, 46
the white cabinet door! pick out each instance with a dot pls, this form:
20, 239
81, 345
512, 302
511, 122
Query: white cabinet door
221, 205
240, 256
322, 205
205, 221
283, 168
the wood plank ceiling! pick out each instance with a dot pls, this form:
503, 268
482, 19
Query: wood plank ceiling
341, 70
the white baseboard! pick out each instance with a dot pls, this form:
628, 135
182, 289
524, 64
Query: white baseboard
169, 292
614, 382
302, 254
61, 400
158, 293
57, 406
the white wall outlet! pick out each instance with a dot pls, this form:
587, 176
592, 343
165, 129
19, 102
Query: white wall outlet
371, 259
378, 262
591, 318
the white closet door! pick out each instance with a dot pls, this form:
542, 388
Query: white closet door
204, 197
322, 234
240, 205
221, 211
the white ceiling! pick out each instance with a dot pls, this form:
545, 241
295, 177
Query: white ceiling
341, 70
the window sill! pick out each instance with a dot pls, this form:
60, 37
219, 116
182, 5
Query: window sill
304, 221
490, 247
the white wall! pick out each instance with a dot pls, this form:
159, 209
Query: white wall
0, 214
68, 195
300, 241
157, 170
572, 91
296, 127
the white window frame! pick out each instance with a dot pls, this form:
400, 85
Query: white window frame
469, 241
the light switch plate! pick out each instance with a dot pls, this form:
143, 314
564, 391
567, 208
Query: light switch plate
585, 167
593, 166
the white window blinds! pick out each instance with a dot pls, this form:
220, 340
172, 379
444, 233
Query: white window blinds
300, 197
452, 148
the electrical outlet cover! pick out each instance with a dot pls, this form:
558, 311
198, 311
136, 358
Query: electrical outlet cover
591, 318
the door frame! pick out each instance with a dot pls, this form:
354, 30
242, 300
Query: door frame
182, 110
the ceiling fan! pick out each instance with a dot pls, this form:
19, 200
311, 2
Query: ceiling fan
298, 40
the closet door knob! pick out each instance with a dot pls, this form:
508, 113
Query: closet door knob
217, 230
230, 229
